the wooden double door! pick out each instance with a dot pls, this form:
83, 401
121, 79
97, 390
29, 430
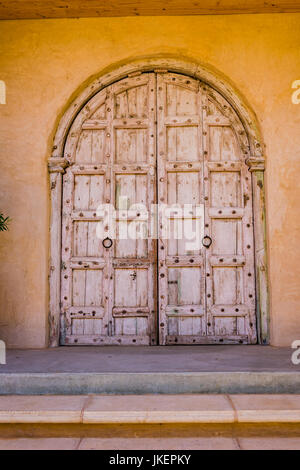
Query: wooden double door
149, 141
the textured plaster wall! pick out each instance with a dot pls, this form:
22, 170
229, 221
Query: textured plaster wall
44, 62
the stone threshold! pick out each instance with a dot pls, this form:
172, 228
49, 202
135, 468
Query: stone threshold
119, 383
149, 409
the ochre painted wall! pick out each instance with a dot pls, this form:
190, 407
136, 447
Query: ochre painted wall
44, 62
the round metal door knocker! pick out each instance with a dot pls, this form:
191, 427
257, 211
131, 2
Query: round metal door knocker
206, 241
107, 242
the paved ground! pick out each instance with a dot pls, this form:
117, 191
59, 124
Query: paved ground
209, 443
236, 358
212, 422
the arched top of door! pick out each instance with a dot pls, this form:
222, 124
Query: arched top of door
220, 89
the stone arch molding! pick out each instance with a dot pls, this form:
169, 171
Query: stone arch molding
254, 157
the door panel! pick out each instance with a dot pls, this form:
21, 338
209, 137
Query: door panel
179, 168
109, 295
133, 175
230, 285
169, 139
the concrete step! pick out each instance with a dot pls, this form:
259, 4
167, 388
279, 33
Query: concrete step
80, 383
150, 369
150, 409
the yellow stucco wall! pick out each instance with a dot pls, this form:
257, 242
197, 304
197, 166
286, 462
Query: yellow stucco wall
44, 62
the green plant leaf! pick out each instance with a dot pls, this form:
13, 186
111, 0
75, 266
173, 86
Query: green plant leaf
4, 221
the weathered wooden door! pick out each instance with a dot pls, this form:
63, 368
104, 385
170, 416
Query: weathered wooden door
207, 294
109, 293
166, 139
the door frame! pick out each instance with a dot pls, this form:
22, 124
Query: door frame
254, 158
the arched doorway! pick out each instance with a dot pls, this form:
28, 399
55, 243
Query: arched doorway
158, 137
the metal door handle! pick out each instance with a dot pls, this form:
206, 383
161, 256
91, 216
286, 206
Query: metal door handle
107, 242
208, 242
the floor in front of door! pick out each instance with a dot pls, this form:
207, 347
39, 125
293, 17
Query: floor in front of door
136, 443
143, 359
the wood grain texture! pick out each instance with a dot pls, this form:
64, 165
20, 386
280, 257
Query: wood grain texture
38, 9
